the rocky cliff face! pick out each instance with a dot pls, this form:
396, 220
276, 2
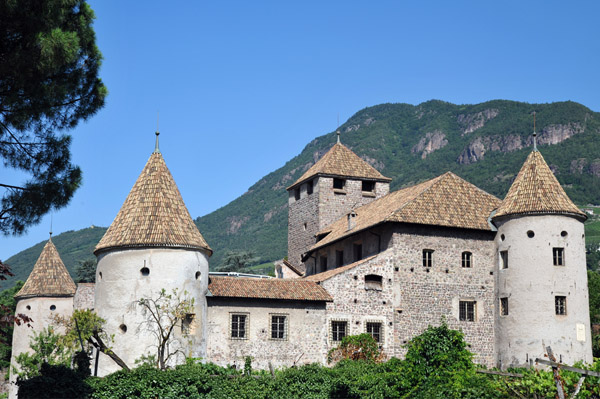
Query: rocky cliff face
471, 122
431, 142
552, 134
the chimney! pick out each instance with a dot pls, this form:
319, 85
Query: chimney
351, 221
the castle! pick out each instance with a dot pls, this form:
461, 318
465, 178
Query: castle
511, 274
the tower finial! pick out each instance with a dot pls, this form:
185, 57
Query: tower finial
156, 149
338, 135
534, 134
51, 226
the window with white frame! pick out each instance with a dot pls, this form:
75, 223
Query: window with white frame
339, 329
467, 310
428, 257
560, 305
279, 328
467, 259
239, 325
558, 256
375, 330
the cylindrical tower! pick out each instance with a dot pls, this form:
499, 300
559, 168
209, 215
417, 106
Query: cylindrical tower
542, 293
152, 245
47, 293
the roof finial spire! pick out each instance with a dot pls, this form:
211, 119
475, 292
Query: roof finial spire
50, 227
338, 129
534, 134
156, 149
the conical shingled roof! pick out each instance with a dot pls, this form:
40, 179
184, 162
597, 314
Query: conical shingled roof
49, 277
536, 190
341, 161
153, 215
446, 200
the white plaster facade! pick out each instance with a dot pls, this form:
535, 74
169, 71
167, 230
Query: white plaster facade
120, 283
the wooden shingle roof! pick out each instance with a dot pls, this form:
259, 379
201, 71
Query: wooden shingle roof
258, 288
536, 190
446, 200
153, 215
49, 277
341, 161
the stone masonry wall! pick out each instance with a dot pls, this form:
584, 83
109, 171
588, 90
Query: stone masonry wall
426, 295
303, 221
305, 342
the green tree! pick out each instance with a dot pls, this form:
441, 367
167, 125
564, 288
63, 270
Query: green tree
235, 261
86, 271
48, 82
356, 347
163, 313
46, 348
8, 304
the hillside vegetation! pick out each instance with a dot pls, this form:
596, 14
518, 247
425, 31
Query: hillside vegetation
485, 144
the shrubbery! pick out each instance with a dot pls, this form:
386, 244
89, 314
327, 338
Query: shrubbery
437, 365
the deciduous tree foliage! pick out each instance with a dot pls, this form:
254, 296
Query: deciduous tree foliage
49, 66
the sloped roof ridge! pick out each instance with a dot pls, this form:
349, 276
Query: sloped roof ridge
350, 165
327, 274
49, 277
428, 184
153, 214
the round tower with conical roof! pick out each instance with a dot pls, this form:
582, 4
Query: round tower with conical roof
47, 293
542, 293
152, 244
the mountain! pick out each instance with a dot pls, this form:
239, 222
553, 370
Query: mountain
485, 144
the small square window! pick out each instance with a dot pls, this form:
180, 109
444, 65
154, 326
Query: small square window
560, 305
339, 330
279, 327
504, 259
339, 184
368, 186
428, 257
503, 306
374, 329
239, 326
373, 282
467, 310
558, 256
467, 258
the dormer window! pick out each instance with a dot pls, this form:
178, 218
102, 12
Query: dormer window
297, 193
339, 184
368, 186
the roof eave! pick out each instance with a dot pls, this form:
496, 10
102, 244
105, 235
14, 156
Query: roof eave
100, 250
580, 216
273, 299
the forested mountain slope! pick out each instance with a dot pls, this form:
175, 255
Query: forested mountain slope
485, 144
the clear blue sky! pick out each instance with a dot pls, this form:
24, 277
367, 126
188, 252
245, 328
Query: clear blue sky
243, 86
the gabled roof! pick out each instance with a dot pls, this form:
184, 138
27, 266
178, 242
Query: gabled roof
536, 190
446, 200
341, 161
299, 270
154, 214
255, 288
49, 277
326, 275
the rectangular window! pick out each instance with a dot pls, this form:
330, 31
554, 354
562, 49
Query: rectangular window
357, 252
187, 324
374, 329
297, 193
466, 259
558, 256
309, 187
428, 257
466, 310
503, 306
323, 263
504, 259
339, 258
560, 305
338, 330
279, 326
368, 186
339, 184
239, 326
